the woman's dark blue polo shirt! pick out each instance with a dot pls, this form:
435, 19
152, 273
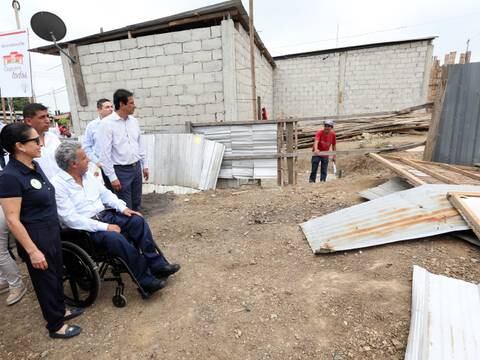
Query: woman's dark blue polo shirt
37, 193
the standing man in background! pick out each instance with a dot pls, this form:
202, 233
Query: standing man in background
36, 116
121, 150
323, 140
90, 144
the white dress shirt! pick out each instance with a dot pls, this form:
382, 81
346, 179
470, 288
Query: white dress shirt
47, 161
90, 140
119, 143
76, 205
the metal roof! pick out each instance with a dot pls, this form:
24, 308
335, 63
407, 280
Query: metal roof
405, 215
445, 320
391, 186
354, 47
202, 17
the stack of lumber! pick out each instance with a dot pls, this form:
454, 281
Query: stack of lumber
350, 128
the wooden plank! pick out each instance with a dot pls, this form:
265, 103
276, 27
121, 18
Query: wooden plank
77, 75
425, 170
469, 213
437, 113
454, 168
290, 140
397, 169
279, 150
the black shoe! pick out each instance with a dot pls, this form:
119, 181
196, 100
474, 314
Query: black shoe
72, 330
167, 270
74, 312
155, 285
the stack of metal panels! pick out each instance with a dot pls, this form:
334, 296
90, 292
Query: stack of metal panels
182, 160
245, 140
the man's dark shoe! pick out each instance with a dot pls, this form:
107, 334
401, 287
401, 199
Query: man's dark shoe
155, 285
167, 270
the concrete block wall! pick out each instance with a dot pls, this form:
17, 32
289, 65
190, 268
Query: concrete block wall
364, 80
175, 77
263, 77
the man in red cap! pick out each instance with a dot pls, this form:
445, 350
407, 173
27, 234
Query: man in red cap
324, 139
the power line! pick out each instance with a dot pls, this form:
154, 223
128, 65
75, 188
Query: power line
56, 91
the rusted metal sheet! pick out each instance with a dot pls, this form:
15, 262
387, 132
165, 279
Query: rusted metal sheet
405, 215
445, 321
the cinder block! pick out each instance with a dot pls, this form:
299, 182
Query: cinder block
138, 53
202, 56
149, 83
144, 41
123, 75
83, 50
167, 80
182, 36
156, 71
109, 76
217, 54
96, 48
206, 99
175, 90
134, 84
89, 59
212, 44
99, 68
214, 108
155, 51
170, 100
192, 46
211, 66
164, 60
216, 31
139, 73
147, 111
192, 68
187, 100
184, 79
128, 43
130, 64
173, 69
214, 87
92, 78
86, 70
141, 94
161, 110
115, 65
184, 58
152, 101
195, 89
174, 48
201, 34
177, 110
105, 57
195, 110
159, 91
112, 45
204, 78
162, 39
121, 55
146, 62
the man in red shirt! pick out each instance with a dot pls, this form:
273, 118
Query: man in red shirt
323, 140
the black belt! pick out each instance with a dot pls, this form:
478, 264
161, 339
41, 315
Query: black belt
129, 165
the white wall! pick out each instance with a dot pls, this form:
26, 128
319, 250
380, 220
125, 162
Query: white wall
364, 80
175, 77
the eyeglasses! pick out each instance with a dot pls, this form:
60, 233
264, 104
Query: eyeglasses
37, 140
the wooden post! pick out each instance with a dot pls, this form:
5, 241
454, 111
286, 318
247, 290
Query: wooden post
436, 114
259, 108
252, 60
295, 146
77, 75
290, 138
4, 111
279, 150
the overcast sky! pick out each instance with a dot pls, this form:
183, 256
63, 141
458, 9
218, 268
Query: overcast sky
285, 26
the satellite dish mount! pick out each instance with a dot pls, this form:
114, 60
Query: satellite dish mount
50, 27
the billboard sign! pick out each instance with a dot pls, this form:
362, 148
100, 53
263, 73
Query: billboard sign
15, 73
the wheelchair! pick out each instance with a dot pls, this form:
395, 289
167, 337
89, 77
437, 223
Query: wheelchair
85, 268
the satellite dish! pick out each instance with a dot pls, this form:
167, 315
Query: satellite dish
49, 27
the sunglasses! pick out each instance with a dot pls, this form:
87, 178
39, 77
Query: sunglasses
37, 140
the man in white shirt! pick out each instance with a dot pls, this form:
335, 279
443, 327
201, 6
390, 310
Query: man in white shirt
121, 150
36, 116
104, 108
81, 202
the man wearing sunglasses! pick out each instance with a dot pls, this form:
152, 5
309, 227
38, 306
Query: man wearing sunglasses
324, 139
36, 115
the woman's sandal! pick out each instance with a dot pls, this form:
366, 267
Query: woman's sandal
71, 331
74, 312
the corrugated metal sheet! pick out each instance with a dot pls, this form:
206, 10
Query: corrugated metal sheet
390, 187
458, 139
409, 214
445, 321
239, 140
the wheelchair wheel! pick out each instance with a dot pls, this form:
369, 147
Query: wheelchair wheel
119, 301
81, 281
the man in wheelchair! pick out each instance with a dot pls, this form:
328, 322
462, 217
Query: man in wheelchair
85, 204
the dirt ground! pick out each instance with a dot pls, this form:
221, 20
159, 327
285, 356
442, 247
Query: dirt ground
250, 286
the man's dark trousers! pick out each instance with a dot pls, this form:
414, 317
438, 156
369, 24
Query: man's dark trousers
130, 177
323, 161
139, 251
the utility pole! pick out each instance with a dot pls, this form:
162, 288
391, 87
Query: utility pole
252, 61
55, 100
